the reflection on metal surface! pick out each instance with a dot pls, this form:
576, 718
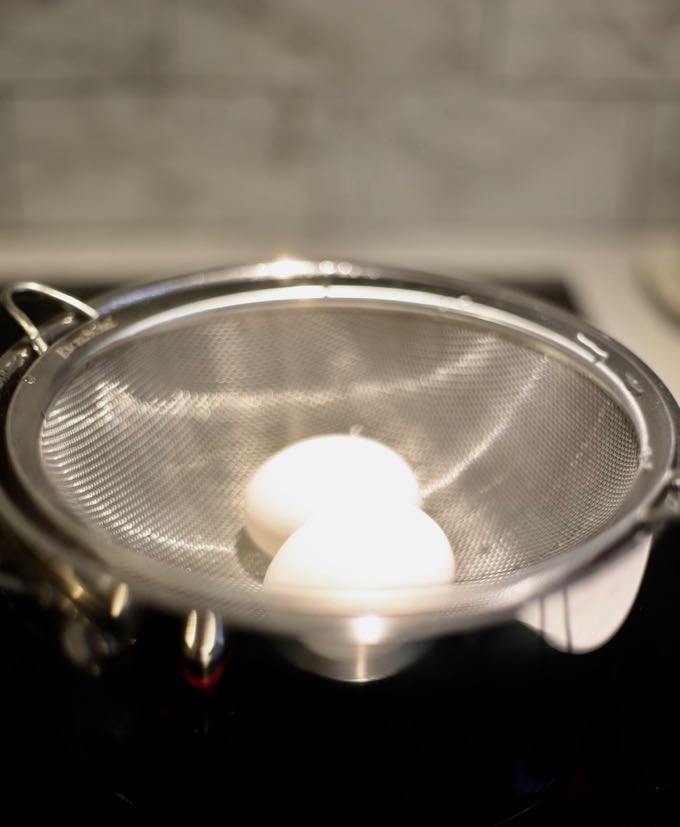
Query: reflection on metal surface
353, 662
203, 642
280, 267
370, 629
120, 600
601, 353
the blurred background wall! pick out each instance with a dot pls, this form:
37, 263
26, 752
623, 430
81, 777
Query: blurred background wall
299, 122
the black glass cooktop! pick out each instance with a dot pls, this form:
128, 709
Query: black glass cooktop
487, 728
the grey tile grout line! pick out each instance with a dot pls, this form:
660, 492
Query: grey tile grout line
212, 86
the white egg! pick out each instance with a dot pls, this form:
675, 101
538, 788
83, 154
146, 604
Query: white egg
336, 471
370, 548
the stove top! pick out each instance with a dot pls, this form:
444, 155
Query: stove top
521, 732
487, 728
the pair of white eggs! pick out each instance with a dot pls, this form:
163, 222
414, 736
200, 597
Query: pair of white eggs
342, 512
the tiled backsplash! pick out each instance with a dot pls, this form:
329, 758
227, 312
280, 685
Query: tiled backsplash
327, 113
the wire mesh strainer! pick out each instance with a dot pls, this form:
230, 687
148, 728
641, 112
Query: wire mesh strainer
538, 443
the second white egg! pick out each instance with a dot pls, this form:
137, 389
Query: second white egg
370, 548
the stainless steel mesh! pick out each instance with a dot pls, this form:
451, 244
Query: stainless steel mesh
520, 455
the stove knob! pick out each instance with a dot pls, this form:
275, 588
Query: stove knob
203, 648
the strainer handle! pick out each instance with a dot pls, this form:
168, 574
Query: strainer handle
23, 320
